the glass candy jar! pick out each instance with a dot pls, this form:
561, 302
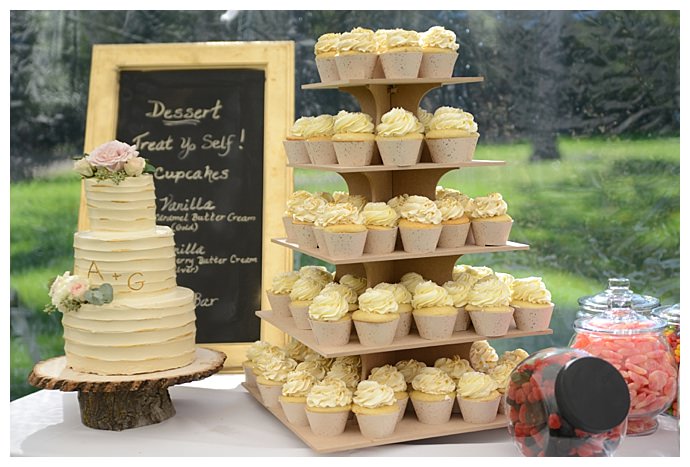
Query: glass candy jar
591, 305
565, 402
636, 346
672, 332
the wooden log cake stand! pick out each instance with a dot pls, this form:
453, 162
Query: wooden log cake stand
111, 402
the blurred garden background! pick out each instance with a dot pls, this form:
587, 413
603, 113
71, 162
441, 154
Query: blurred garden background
584, 107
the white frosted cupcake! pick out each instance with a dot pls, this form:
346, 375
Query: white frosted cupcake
432, 396
491, 223
353, 138
501, 376
346, 372
404, 299
329, 318
347, 293
465, 272
272, 378
296, 350
376, 321
293, 397
279, 294
295, 199
424, 118
399, 138
318, 133
253, 352
343, 231
295, 149
358, 201
263, 356
325, 50
381, 222
302, 295
483, 357
356, 54
488, 305
411, 280
532, 303
454, 367
440, 51
318, 273
433, 311
512, 357
478, 397
452, 136
456, 225
391, 377
400, 52
303, 218
356, 283
409, 369
317, 368
328, 406
458, 292
397, 202
420, 225
376, 408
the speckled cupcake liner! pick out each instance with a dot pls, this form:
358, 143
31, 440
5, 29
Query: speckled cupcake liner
327, 68
280, 304
402, 406
304, 235
347, 245
295, 413
377, 426
249, 376
397, 65
420, 240
489, 233
478, 411
356, 66
270, 394
452, 150
453, 235
381, 242
287, 224
321, 152
533, 319
400, 152
354, 153
433, 412
491, 324
296, 152
462, 322
300, 315
437, 64
404, 324
502, 404
376, 334
331, 332
434, 327
327, 423
320, 239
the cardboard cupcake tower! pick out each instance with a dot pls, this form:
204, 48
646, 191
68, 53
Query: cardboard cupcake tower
381, 183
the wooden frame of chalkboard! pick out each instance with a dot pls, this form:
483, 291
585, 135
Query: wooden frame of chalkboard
121, 75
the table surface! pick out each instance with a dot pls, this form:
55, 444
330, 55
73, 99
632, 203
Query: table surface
217, 417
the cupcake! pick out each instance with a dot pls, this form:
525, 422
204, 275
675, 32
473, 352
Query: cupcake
344, 231
296, 350
478, 397
253, 352
302, 295
391, 377
329, 318
512, 357
399, 137
433, 311
440, 51
474, 272
295, 149
490, 222
376, 408
356, 54
358, 201
356, 283
318, 133
377, 318
411, 280
350, 360
313, 356
488, 305
346, 292
424, 118
328, 406
432, 396
295, 199
458, 292
381, 222
409, 369
400, 53
293, 397
317, 368
279, 293
303, 217
483, 357
263, 356
319, 273
532, 303
353, 138
420, 225
404, 299
454, 367
345, 372
452, 136
272, 378
324, 51
455, 223
397, 202
506, 278
501, 376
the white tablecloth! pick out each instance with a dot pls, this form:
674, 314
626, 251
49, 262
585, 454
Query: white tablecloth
217, 417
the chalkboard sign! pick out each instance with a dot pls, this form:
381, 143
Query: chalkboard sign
203, 129
211, 117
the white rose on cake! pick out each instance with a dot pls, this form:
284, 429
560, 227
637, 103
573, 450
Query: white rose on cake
135, 166
82, 167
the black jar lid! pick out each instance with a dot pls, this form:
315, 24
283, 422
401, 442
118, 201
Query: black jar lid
592, 395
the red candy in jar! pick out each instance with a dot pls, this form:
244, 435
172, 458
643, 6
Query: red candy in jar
672, 333
634, 344
564, 402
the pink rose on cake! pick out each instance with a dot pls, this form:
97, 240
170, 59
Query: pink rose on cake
112, 155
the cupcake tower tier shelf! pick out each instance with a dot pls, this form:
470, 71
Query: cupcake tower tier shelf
380, 183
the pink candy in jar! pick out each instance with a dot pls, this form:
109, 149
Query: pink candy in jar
635, 346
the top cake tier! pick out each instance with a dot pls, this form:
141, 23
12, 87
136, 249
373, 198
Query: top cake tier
125, 207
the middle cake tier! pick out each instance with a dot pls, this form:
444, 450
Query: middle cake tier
141, 262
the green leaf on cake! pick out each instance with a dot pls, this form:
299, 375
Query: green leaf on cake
99, 295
